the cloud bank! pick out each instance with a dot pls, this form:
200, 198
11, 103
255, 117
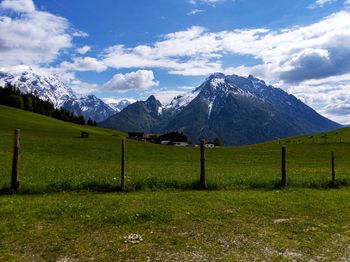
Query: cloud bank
140, 79
32, 37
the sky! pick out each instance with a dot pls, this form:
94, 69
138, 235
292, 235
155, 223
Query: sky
131, 49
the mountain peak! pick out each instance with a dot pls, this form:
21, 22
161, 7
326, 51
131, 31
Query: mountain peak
51, 88
251, 77
153, 104
218, 83
239, 110
256, 80
216, 75
151, 98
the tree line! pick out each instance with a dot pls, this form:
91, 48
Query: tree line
11, 96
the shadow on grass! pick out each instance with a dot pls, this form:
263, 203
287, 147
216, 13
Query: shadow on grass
152, 184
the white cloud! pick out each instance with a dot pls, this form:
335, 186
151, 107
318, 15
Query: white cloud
25, 6
288, 50
329, 96
166, 95
83, 64
189, 52
320, 3
84, 49
140, 79
195, 11
208, 2
33, 37
283, 54
302, 55
78, 33
117, 100
82, 87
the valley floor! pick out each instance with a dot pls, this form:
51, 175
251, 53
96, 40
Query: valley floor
242, 225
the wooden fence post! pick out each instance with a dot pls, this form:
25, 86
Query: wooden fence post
284, 172
203, 180
122, 178
15, 161
333, 170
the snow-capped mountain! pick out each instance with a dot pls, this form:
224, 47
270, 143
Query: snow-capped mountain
238, 110
120, 104
141, 115
48, 88
182, 100
89, 106
52, 89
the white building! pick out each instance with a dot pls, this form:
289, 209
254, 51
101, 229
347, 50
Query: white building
180, 143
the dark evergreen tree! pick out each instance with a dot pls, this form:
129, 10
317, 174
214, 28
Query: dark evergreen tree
81, 120
90, 122
28, 103
15, 101
218, 142
11, 96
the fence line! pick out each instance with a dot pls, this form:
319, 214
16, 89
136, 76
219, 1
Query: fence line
122, 179
333, 170
202, 179
284, 167
15, 161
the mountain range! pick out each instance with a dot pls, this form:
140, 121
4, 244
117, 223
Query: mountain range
238, 110
52, 89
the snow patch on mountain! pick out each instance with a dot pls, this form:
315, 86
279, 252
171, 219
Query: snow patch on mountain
210, 107
118, 104
160, 110
216, 82
239, 110
51, 88
89, 106
182, 100
48, 88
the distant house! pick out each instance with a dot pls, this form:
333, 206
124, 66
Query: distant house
152, 137
136, 135
209, 145
173, 139
84, 134
165, 142
178, 143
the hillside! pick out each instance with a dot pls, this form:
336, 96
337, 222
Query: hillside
54, 217
54, 150
337, 136
238, 110
50, 148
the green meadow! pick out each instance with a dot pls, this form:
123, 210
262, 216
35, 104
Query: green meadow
69, 206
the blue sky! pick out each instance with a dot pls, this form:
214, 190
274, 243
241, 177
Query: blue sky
116, 49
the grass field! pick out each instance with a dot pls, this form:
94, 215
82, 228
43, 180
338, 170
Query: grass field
177, 226
68, 207
55, 158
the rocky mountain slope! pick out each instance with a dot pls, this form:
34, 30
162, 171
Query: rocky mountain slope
52, 89
236, 109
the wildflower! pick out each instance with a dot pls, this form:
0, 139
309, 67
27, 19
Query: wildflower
133, 238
